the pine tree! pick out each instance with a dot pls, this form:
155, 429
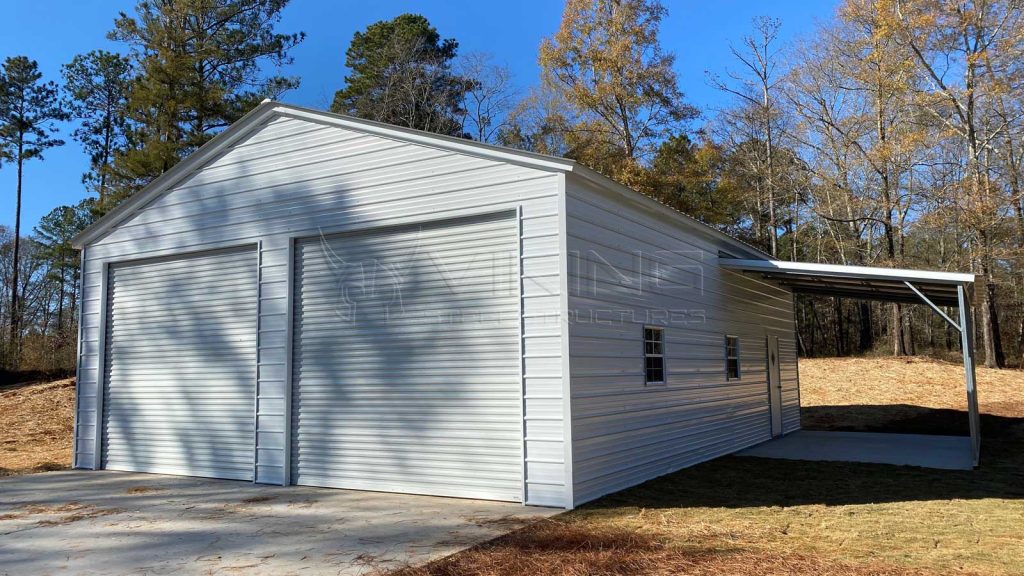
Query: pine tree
29, 111
96, 85
54, 233
199, 70
401, 74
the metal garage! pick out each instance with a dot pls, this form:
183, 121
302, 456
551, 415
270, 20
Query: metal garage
406, 360
180, 365
317, 299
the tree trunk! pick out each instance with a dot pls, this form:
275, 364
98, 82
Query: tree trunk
1020, 342
840, 327
60, 297
867, 340
15, 312
896, 330
992, 339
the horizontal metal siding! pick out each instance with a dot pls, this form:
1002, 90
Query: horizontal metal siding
353, 181
628, 268
406, 371
180, 374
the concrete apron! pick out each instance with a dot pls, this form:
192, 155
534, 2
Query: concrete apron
926, 451
104, 522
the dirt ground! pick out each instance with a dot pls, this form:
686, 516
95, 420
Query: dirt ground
36, 421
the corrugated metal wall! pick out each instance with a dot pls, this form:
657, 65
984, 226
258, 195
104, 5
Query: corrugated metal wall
790, 383
297, 178
406, 360
180, 360
631, 266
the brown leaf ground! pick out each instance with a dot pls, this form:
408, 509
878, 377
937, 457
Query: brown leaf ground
36, 422
752, 516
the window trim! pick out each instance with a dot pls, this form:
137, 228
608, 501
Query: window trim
728, 358
664, 362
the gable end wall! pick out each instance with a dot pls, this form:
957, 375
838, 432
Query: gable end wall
295, 178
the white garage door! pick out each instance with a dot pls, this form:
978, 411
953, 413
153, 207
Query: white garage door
406, 361
181, 366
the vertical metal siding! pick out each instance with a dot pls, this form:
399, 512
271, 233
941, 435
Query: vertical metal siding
180, 366
406, 363
624, 433
790, 384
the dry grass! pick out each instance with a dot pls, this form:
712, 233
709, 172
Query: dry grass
568, 548
59, 514
36, 426
258, 499
747, 516
136, 490
909, 381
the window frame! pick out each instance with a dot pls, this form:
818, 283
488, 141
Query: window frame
736, 357
664, 364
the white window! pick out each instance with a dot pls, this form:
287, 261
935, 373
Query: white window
732, 358
654, 355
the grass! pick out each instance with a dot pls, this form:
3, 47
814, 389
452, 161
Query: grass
36, 420
757, 516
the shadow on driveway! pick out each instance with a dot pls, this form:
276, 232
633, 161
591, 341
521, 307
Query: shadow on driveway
120, 523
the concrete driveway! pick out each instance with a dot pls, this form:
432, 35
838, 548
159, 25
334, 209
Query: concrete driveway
85, 522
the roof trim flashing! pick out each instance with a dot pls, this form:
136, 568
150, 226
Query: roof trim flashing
845, 271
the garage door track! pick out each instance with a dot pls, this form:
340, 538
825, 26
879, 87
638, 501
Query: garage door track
84, 522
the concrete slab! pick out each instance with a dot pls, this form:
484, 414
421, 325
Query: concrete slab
85, 522
945, 452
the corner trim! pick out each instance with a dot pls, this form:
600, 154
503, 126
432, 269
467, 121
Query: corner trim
563, 264
101, 365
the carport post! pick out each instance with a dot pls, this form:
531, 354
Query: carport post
967, 345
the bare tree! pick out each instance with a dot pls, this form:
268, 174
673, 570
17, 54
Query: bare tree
489, 96
852, 93
758, 112
966, 54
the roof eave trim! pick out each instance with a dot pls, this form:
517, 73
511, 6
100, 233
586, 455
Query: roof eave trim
840, 270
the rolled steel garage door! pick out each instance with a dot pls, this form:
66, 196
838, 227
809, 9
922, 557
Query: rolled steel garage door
406, 362
180, 363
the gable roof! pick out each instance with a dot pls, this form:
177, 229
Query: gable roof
258, 116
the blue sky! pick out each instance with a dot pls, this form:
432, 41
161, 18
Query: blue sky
52, 32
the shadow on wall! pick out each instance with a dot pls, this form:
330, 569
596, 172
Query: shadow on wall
744, 482
394, 368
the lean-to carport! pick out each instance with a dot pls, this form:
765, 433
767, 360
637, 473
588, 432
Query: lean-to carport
936, 289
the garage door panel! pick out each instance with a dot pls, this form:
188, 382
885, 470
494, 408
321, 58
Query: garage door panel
406, 367
180, 373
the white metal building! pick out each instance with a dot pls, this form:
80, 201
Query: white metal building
320, 300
